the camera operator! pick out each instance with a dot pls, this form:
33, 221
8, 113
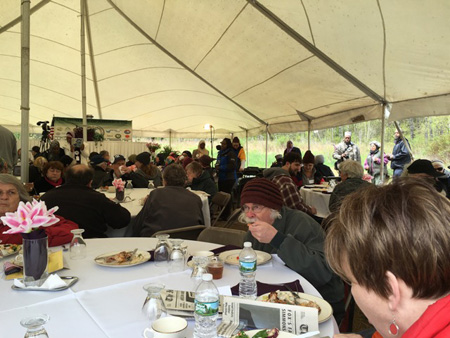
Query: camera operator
54, 153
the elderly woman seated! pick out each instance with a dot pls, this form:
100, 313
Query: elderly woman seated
52, 177
11, 193
392, 244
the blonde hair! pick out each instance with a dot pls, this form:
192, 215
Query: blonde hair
40, 163
403, 228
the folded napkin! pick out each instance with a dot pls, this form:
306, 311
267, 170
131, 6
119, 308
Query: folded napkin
52, 282
11, 268
55, 263
266, 288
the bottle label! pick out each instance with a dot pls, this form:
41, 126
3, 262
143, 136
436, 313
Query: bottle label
247, 266
207, 308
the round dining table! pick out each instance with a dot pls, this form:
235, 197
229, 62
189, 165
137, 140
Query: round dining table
318, 198
133, 202
106, 301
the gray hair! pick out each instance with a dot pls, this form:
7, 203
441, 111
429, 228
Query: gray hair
274, 214
10, 179
352, 169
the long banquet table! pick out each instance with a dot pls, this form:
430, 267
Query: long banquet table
106, 301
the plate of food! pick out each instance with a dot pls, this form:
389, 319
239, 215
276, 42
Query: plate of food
265, 333
122, 259
9, 249
286, 297
232, 257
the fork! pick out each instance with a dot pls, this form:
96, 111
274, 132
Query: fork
296, 296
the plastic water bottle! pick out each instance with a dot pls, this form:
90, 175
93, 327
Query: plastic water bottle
247, 267
206, 308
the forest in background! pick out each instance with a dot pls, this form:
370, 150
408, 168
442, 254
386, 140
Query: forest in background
429, 138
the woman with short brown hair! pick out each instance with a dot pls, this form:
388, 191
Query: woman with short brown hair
52, 177
392, 243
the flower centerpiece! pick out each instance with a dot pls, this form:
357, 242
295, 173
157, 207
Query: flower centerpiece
29, 220
120, 187
153, 147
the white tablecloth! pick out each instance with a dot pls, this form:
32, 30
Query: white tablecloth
317, 199
134, 206
106, 302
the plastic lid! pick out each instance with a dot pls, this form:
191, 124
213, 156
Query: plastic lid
247, 244
207, 277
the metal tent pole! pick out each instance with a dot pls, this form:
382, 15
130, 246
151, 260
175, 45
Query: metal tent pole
309, 134
83, 68
25, 88
384, 113
267, 141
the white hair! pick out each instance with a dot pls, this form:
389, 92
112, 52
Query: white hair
274, 214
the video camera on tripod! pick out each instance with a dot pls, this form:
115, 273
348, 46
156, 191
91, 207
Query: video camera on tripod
45, 142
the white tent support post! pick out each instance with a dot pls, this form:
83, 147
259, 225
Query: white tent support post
92, 59
404, 140
170, 138
384, 114
246, 146
267, 141
309, 134
25, 88
83, 69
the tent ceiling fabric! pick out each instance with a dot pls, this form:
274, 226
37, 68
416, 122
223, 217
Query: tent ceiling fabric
176, 65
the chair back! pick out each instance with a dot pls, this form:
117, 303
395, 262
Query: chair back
218, 204
190, 232
222, 236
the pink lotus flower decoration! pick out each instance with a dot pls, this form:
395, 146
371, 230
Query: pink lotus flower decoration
119, 184
28, 217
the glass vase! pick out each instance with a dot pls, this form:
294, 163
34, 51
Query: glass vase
35, 258
120, 195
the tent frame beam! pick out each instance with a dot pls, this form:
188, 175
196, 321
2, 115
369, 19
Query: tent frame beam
173, 57
315, 51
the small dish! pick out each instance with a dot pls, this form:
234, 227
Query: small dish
69, 280
139, 258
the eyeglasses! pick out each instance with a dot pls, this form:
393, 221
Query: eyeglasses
440, 169
255, 208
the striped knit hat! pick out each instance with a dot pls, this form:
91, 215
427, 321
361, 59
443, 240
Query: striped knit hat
262, 191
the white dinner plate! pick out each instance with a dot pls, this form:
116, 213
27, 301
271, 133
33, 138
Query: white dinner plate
326, 311
9, 249
232, 257
140, 257
281, 334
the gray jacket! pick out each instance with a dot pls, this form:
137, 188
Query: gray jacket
351, 150
299, 243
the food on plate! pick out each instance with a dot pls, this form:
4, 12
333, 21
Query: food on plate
285, 297
266, 333
119, 258
9, 249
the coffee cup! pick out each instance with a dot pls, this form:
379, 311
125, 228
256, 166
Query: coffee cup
215, 267
167, 327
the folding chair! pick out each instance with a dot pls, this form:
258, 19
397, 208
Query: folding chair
222, 236
218, 204
190, 232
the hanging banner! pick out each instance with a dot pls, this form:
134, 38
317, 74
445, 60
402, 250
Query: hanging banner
98, 130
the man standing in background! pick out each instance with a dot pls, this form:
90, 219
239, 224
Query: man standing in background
8, 148
290, 148
346, 150
400, 155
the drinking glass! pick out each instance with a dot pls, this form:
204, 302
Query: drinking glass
176, 256
128, 188
35, 326
153, 307
77, 245
162, 250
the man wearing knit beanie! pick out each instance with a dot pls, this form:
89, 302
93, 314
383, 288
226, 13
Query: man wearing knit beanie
291, 234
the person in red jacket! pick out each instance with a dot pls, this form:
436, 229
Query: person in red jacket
11, 193
392, 243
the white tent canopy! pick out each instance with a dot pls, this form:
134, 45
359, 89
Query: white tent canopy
175, 65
